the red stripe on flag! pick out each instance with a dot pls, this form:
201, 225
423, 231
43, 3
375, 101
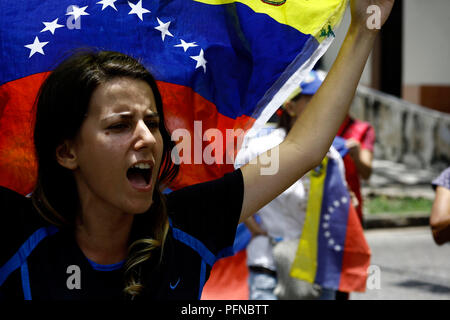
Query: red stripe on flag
182, 107
229, 279
356, 259
17, 159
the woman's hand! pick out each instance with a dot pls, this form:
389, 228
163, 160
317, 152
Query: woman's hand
361, 14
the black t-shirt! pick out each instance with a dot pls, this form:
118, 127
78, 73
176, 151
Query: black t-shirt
41, 262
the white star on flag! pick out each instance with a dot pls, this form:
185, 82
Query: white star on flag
164, 28
107, 3
137, 9
201, 62
36, 46
51, 26
77, 12
185, 45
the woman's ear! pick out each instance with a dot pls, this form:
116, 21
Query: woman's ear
66, 156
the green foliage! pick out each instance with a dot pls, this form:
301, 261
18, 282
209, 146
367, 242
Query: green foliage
384, 204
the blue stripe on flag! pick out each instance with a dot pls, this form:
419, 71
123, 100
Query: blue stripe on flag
332, 229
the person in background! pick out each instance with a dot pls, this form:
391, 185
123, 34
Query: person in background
283, 217
440, 212
360, 136
360, 140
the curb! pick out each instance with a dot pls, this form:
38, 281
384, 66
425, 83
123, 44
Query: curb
395, 221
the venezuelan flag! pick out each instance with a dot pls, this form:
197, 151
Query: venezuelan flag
332, 250
229, 64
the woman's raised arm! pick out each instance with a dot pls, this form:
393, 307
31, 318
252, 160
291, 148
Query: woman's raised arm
311, 136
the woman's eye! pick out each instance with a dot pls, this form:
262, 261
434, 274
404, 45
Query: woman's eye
152, 124
118, 126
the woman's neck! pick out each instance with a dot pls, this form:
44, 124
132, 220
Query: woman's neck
103, 236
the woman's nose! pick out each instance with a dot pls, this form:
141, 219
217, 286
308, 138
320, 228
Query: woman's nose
145, 136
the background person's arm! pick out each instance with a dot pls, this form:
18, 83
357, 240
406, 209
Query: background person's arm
440, 216
312, 134
254, 227
362, 157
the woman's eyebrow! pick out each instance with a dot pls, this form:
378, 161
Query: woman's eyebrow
128, 115
152, 114
121, 115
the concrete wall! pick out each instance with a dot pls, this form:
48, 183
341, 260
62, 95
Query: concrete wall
426, 67
405, 133
425, 42
425, 54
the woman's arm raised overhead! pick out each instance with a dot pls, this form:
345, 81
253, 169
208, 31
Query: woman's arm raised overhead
312, 134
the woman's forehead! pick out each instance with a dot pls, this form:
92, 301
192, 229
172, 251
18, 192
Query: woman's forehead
122, 95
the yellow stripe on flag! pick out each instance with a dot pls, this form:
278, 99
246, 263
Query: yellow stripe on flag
304, 266
308, 16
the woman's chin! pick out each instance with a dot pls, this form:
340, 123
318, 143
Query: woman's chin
139, 206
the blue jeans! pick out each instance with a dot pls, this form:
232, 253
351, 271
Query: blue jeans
261, 286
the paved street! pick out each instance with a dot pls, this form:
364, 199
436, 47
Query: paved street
409, 265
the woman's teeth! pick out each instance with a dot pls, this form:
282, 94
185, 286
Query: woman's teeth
141, 166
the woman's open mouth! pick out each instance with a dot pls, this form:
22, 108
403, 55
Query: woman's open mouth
140, 176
